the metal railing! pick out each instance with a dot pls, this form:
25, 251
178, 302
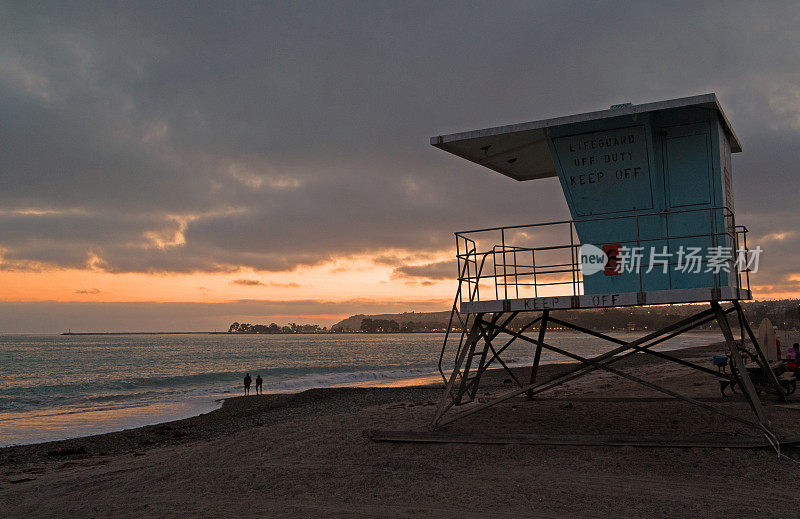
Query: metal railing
528, 269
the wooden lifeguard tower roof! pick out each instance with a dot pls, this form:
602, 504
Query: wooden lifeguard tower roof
520, 151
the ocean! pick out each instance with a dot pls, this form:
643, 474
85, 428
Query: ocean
55, 387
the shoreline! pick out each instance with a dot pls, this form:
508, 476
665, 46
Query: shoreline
145, 415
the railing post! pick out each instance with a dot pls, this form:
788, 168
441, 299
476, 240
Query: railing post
714, 244
746, 251
494, 263
639, 246
503, 249
572, 255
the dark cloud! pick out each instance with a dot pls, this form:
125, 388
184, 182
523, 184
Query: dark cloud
248, 283
257, 283
437, 270
92, 291
177, 137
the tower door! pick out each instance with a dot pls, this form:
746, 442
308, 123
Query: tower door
687, 165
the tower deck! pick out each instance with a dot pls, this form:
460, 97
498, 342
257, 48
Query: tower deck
570, 302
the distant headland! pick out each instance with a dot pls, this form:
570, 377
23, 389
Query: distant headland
142, 333
784, 313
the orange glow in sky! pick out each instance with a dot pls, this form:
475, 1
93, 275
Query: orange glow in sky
339, 280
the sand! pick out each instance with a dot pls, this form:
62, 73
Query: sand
304, 455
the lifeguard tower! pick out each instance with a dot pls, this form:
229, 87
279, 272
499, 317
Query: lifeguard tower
652, 222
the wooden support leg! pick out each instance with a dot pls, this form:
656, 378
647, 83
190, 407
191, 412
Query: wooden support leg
760, 350
738, 364
538, 355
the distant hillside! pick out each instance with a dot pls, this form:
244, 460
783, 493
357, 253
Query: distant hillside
784, 313
424, 320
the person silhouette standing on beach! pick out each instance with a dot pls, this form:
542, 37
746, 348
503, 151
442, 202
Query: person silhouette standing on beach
247, 381
259, 385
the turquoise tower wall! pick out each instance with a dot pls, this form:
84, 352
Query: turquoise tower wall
617, 172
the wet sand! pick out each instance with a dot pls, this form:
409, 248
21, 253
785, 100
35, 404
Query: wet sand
306, 455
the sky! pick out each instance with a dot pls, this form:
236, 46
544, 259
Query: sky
181, 165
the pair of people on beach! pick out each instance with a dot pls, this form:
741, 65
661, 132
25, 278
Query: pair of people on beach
259, 384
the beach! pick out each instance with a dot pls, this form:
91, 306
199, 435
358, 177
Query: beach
306, 454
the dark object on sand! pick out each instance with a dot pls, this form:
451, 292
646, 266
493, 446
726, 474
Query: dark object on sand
569, 439
67, 451
762, 381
